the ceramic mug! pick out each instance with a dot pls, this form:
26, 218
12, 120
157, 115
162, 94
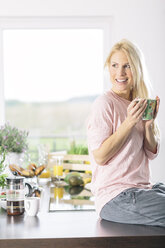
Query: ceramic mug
150, 110
32, 205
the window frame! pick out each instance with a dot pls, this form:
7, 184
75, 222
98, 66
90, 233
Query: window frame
104, 23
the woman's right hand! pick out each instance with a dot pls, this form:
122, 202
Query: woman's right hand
135, 111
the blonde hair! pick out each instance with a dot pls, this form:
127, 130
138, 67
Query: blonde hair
141, 83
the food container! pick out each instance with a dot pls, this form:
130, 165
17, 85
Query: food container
15, 195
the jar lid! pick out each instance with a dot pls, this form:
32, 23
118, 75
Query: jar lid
13, 180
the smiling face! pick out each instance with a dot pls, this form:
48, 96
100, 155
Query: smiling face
120, 74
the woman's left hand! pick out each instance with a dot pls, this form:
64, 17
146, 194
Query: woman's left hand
148, 123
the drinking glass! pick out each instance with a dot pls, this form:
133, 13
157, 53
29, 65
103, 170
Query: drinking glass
58, 168
58, 192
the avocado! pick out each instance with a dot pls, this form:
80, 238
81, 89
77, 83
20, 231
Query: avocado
66, 179
75, 180
75, 190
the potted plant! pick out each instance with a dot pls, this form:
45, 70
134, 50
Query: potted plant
12, 139
13, 142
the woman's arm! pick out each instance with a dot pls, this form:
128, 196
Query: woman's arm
114, 143
150, 142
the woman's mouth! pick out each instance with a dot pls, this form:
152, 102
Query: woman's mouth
121, 80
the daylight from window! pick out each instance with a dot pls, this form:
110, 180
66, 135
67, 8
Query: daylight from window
51, 77
52, 65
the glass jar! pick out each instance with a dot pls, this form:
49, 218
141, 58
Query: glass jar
15, 195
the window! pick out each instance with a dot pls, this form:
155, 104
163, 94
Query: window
50, 77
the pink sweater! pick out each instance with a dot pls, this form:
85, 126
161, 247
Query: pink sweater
130, 166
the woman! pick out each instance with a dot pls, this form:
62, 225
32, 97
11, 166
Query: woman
121, 144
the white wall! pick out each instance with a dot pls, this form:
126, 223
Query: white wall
141, 21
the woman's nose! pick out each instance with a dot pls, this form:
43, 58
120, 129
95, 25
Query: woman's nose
121, 71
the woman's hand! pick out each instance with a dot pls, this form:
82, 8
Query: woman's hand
135, 110
148, 123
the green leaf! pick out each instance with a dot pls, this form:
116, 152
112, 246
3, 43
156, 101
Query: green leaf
3, 180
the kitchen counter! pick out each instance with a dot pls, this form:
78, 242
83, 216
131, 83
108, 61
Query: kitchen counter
73, 229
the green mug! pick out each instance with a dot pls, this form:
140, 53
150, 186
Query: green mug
150, 110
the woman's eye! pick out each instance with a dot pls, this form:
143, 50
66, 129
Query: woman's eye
127, 66
114, 65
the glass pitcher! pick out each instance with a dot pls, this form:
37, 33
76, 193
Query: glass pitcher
15, 195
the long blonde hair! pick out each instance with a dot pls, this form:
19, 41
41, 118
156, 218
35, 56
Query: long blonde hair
141, 84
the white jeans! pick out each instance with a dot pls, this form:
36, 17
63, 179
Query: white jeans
137, 206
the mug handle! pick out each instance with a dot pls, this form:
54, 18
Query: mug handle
30, 189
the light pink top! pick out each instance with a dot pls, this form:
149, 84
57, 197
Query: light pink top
130, 166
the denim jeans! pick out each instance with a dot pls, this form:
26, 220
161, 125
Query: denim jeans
137, 206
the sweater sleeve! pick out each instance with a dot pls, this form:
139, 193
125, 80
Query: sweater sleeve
100, 123
150, 154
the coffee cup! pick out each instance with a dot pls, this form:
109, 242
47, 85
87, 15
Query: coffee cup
149, 112
32, 205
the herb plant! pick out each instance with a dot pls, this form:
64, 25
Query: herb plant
12, 139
